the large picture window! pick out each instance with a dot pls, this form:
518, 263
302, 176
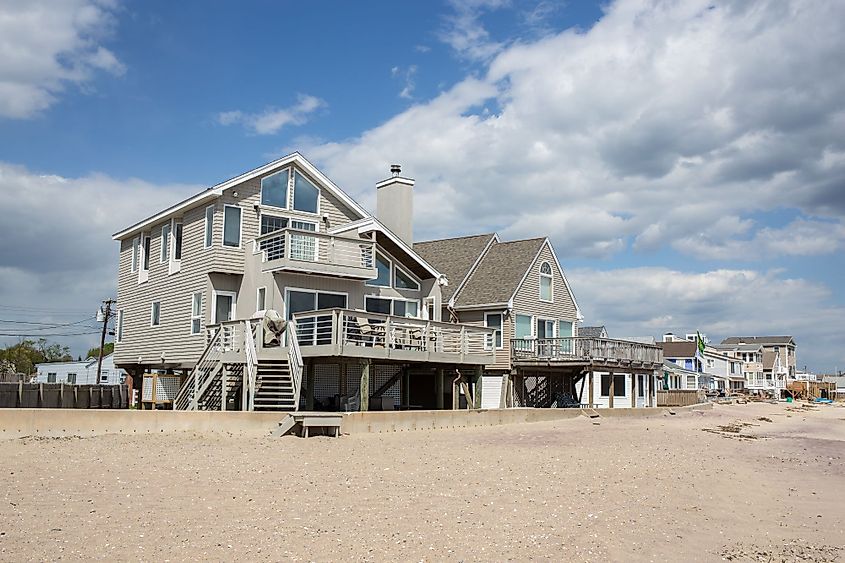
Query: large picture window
274, 189
389, 306
232, 226
383, 266
403, 280
618, 385
306, 196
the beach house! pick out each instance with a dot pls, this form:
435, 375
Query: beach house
774, 361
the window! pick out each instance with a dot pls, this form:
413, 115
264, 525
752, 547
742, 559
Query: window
403, 280
177, 240
209, 226
71, 378
691, 382
546, 286
260, 299
388, 306
383, 267
618, 385
303, 247
224, 306
165, 242
272, 223
51, 377
494, 321
274, 189
119, 332
232, 226
523, 326
146, 256
545, 328
564, 328
196, 312
306, 196
429, 309
316, 329
155, 313
136, 242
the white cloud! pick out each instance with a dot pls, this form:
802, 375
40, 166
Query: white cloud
720, 303
663, 121
272, 120
45, 45
408, 80
464, 32
55, 240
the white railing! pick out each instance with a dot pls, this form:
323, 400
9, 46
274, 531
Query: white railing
202, 374
347, 327
295, 362
577, 348
307, 246
251, 364
231, 335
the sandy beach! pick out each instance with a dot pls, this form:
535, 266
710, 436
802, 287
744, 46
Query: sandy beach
757, 482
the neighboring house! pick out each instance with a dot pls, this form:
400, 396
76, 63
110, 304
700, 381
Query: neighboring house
592, 332
685, 354
195, 280
80, 373
519, 289
778, 361
751, 356
725, 369
839, 381
677, 378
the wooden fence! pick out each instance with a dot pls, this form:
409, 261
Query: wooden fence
63, 396
680, 397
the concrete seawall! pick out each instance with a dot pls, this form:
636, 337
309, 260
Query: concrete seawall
54, 423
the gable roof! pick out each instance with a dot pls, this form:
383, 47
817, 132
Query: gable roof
739, 347
683, 349
591, 331
499, 273
455, 257
759, 340
218, 189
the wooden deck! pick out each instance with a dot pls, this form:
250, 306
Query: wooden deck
572, 354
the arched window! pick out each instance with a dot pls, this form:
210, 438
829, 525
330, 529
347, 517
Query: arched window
546, 282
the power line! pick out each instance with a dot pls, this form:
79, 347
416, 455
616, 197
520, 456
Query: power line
39, 335
45, 326
43, 309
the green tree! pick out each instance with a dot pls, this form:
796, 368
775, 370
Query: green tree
26, 353
95, 351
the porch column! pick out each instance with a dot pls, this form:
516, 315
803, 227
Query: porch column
612, 391
439, 388
633, 390
309, 386
590, 384
477, 385
503, 399
456, 390
364, 389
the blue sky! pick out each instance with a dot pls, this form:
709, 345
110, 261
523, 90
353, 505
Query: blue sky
686, 158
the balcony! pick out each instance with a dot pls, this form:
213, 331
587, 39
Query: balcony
350, 333
296, 250
575, 350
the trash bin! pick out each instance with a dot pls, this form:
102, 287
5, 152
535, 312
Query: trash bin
789, 399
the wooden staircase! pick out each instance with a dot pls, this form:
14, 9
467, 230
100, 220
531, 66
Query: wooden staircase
274, 388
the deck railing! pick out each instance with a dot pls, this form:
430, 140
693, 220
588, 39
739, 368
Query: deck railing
347, 327
577, 348
295, 363
298, 246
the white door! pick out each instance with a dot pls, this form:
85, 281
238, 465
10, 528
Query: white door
491, 391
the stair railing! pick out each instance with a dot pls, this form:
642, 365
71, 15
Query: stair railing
294, 362
188, 396
251, 361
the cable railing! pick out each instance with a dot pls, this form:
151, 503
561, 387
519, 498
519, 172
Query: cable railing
578, 348
347, 327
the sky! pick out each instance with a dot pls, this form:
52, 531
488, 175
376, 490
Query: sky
686, 158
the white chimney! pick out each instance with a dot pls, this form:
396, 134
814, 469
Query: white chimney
395, 204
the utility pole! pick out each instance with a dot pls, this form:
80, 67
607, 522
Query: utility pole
105, 314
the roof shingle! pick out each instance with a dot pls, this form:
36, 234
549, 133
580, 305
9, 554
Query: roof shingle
499, 273
453, 257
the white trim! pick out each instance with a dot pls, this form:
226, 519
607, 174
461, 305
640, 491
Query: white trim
197, 316
425, 303
501, 329
118, 329
232, 312
481, 306
175, 264
218, 189
153, 315
493, 240
550, 277
208, 241
396, 180
240, 227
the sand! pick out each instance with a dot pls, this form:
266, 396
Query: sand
769, 485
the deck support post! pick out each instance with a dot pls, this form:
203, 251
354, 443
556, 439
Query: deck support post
503, 398
406, 386
439, 389
456, 391
633, 390
309, 386
591, 383
224, 383
341, 383
364, 389
612, 391
477, 385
